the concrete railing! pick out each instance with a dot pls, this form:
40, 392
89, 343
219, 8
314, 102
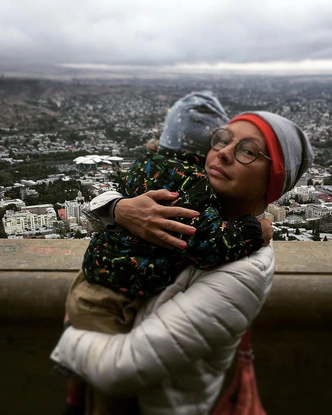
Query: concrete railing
292, 335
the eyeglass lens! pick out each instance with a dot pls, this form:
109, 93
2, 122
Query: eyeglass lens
246, 150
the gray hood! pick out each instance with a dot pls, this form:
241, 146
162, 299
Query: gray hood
191, 120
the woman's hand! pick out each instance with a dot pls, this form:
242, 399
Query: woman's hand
145, 218
267, 231
66, 318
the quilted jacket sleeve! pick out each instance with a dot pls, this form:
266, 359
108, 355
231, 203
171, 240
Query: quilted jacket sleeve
213, 312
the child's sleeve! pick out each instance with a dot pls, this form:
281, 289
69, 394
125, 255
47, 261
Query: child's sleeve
217, 239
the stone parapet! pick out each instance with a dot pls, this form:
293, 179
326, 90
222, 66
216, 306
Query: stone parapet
292, 335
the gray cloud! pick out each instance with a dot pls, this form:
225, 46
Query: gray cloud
149, 32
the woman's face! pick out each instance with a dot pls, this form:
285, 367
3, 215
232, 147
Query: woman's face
241, 187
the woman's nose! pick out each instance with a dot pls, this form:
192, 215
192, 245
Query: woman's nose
226, 154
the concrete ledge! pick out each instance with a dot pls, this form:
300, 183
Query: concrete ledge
292, 335
35, 276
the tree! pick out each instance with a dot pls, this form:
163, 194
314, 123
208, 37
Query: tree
277, 236
2, 212
325, 239
78, 234
6, 179
316, 234
60, 228
3, 234
13, 207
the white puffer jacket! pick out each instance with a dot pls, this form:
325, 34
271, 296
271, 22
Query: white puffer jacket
175, 358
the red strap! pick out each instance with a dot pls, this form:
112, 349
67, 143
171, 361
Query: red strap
245, 342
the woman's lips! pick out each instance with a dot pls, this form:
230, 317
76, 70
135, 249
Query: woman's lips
218, 172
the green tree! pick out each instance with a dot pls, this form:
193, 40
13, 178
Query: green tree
3, 234
316, 234
78, 234
2, 231
2, 212
60, 229
12, 206
277, 236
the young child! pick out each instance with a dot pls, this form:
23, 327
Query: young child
120, 269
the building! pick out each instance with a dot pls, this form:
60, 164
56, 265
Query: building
20, 223
269, 216
317, 211
17, 202
74, 208
278, 212
301, 193
40, 209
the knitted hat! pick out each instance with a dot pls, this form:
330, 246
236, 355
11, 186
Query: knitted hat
190, 122
289, 149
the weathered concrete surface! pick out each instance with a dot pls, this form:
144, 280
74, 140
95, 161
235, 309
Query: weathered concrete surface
292, 335
40, 255
35, 275
313, 258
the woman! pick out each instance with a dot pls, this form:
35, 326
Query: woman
174, 360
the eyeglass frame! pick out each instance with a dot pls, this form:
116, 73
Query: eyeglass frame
238, 142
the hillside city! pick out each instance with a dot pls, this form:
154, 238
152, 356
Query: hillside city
62, 143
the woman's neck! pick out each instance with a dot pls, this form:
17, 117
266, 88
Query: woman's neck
237, 208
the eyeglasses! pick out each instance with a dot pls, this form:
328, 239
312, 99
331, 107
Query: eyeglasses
246, 151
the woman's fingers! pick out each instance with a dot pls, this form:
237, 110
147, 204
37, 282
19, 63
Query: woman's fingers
267, 231
144, 217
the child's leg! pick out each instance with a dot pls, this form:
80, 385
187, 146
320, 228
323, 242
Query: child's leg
75, 401
98, 403
97, 308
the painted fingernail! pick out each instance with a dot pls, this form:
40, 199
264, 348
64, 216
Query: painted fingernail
192, 231
183, 245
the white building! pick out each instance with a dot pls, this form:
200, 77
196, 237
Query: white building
317, 211
46, 208
74, 208
278, 212
269, 216
304, 193
18, 223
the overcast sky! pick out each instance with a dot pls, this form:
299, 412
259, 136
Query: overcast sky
167, 32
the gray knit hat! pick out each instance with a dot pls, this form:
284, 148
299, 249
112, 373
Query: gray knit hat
190, 122
289, 148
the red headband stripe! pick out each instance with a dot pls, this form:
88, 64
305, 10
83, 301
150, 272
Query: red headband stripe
277, 172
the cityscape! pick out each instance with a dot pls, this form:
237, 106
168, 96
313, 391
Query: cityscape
64, 142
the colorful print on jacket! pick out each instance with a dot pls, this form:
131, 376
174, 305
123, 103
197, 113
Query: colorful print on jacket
122, 261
